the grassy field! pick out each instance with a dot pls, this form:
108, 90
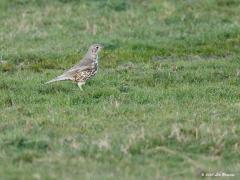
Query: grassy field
165, 103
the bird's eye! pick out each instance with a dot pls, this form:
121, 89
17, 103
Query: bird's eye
97, 47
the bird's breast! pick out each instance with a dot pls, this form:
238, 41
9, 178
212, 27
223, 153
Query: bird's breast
95, 65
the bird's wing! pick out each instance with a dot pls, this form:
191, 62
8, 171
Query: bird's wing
82, 65
71, 72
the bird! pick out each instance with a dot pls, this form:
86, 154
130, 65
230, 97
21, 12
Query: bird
84, 70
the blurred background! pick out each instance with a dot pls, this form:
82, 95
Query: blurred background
62, 27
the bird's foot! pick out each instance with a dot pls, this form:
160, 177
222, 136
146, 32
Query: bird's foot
80, 84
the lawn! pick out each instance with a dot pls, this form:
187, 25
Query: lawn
165, 103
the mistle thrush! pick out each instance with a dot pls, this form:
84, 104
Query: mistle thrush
84, 70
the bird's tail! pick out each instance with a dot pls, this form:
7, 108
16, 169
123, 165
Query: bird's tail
59, 78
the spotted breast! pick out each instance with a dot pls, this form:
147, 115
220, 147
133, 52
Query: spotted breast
85, 75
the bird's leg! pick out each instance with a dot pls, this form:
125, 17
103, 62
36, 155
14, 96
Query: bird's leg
80, 85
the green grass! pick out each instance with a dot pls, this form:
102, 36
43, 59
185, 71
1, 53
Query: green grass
165, 103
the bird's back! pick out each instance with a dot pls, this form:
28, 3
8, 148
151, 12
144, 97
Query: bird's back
84, 62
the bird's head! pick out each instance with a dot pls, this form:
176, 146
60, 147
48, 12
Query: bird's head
95, 49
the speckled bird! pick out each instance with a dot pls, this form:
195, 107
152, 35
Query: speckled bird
84, 70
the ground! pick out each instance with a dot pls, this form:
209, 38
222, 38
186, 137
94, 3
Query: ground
165, 103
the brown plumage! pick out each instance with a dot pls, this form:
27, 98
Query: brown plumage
84, 70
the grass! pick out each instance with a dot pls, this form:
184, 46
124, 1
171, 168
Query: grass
164, 105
